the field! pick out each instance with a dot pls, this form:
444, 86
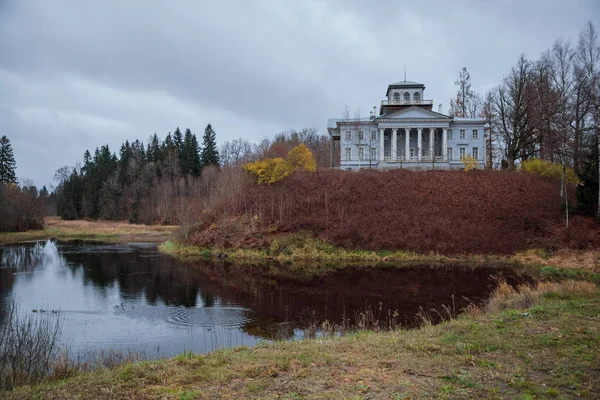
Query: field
109, 231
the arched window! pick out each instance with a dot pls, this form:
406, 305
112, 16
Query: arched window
396, 96
417, 96
406, 96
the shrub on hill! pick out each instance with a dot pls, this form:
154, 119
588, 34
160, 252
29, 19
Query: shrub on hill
448, 212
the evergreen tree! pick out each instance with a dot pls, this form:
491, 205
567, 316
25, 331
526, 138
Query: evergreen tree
188, 150
210, 154
195, 164
178, 141
7, 162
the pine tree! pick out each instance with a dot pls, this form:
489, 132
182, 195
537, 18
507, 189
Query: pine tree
210, 154
178, 141
195, 164
7, 162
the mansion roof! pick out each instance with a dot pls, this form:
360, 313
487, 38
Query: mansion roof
411, 114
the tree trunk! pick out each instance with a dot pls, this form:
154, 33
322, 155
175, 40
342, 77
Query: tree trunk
598, 140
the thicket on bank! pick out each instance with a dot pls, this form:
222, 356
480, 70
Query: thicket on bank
442, 211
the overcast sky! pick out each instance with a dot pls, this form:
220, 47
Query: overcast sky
75, 75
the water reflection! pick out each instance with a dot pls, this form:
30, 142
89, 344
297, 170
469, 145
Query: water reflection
132, 298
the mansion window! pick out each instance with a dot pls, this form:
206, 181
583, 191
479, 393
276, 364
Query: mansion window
406, 96
396, 96
348, 153
475, 152
450, 153
348, 135
475, 134
373, 135
449, 134
417, 96
462, 152
361, 153
373, 153
462, 134
361, 135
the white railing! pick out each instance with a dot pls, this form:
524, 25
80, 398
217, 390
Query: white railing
406, 102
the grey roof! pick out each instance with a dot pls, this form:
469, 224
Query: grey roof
460, 119
406, 83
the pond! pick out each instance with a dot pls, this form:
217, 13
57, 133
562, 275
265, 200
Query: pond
129, 297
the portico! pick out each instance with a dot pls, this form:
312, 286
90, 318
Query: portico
412, 144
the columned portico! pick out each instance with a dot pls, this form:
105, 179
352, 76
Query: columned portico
445, 144
431, 138
407, 144
419, 143
381, 136
394, 146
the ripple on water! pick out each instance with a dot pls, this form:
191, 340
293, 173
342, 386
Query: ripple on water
211, 317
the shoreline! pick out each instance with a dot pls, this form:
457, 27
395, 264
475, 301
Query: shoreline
104, 231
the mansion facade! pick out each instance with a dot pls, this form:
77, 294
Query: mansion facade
406, 133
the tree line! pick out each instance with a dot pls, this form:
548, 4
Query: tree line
22, 207
141, 183
165, 181
546, 109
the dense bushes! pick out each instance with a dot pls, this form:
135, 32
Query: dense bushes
441, 211
21, 208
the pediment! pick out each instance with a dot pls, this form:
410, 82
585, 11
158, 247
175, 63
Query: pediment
415, 113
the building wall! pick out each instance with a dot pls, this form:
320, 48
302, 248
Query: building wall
454, 142
468, 143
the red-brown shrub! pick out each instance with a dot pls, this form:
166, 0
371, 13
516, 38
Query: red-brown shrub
449, 212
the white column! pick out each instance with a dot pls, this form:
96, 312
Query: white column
394, 144
407, 144
431, 137
381, 145
419, 143
445, 144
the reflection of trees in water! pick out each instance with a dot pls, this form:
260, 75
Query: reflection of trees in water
344, 295
280, 300
158, 277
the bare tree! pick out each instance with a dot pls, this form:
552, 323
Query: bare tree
588, 55
512, 116
467, 103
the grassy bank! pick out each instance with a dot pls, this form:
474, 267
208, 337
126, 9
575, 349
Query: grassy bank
313, 255
540, 343
106, 231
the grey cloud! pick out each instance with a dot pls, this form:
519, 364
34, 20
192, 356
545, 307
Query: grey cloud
78, 74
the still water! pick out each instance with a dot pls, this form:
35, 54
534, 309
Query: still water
129, 297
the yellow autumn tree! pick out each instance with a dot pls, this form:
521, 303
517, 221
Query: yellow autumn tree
469, 163
271, 170
546, 168
301, 158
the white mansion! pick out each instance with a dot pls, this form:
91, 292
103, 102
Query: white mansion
408, 134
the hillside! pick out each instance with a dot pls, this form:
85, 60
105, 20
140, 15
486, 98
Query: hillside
447, 212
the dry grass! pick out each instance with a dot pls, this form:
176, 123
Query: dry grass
588, 260
550, 351
506, 297
95, 230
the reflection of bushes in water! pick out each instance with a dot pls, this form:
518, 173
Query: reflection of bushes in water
28, 346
